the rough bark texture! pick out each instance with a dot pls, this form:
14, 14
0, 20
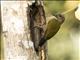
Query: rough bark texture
16, 36
37, 23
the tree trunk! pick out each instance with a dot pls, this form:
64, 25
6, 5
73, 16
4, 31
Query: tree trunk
16, 36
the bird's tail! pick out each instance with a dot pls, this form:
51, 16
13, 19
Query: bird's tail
42, 42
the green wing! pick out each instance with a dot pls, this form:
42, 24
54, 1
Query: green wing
52, 28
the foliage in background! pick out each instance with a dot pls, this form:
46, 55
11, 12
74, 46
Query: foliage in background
63, 45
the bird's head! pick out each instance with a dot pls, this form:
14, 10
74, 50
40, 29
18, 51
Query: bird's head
60, 18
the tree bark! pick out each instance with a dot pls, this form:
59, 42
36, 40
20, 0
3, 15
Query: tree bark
16, 36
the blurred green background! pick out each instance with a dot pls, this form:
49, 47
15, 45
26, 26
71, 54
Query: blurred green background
65, 45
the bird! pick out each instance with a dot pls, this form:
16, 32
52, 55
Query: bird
52, 28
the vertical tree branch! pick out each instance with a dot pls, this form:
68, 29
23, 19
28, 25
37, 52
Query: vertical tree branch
16, 36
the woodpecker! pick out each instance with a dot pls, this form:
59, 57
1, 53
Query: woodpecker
52, 28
